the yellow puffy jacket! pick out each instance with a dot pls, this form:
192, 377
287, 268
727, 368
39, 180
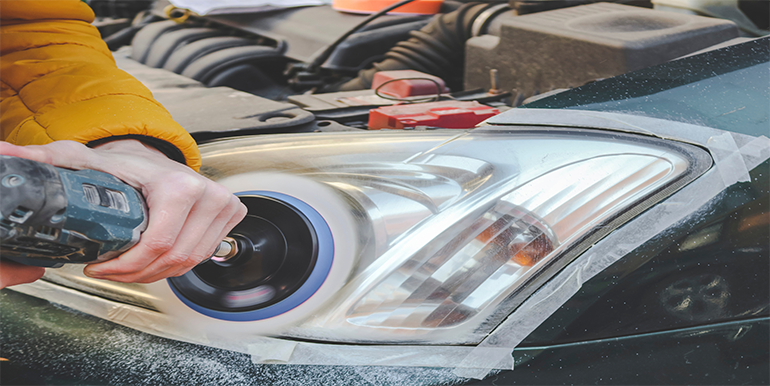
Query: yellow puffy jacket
59, 81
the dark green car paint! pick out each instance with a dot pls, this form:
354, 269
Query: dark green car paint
727, 89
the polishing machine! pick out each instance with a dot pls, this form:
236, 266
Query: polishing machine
271, 262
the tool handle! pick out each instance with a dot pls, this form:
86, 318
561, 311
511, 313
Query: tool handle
50, 216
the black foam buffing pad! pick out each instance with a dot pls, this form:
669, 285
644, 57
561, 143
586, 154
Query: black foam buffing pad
277, 251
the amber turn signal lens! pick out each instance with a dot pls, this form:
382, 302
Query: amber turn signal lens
526, 255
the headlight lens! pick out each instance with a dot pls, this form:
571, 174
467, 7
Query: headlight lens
423, 237
456, 230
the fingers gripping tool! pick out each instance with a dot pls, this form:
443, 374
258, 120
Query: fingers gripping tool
51, 216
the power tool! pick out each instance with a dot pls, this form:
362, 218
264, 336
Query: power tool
50, 216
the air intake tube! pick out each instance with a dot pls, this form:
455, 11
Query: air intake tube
437, 49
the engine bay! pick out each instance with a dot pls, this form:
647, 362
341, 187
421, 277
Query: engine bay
316, 68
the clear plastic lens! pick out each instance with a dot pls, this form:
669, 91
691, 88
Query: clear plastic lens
453, 227
443, 288
486, 259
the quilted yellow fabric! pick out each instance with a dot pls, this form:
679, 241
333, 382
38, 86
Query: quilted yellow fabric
59, 81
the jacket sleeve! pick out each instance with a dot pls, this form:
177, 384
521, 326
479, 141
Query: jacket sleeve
58, 81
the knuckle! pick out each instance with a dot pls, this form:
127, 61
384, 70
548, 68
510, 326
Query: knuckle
184, 187
219, 195
184, 262
220, 191
159, 245
240, 210
190, 182
178, 260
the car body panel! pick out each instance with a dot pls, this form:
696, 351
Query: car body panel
725, 89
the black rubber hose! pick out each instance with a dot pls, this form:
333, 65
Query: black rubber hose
125, 35
437, 49
327, 52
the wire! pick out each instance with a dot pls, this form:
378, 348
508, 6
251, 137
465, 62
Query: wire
437, 97
325, 54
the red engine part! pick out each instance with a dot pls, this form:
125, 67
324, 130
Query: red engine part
445, 114
412, 83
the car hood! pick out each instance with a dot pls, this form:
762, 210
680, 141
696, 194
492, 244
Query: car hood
724, 89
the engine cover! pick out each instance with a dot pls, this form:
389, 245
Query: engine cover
569, 47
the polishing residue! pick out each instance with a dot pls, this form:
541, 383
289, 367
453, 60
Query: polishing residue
47, 344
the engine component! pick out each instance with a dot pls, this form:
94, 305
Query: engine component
166, 43
407, 83
249, 52
145, 37
445, 114
307, 75
568, 47
437, 49
352, 107
523, 7
181, 58
124, 36
237, 113
210, 56
423, 7
307, 30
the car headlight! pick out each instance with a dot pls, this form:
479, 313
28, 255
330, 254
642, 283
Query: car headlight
433, 236
404, 237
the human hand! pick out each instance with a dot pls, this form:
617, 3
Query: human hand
188, 214
12, 273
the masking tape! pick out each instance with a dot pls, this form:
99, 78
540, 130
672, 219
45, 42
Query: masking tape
263, 350
278, 351
728, 159
138, 318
